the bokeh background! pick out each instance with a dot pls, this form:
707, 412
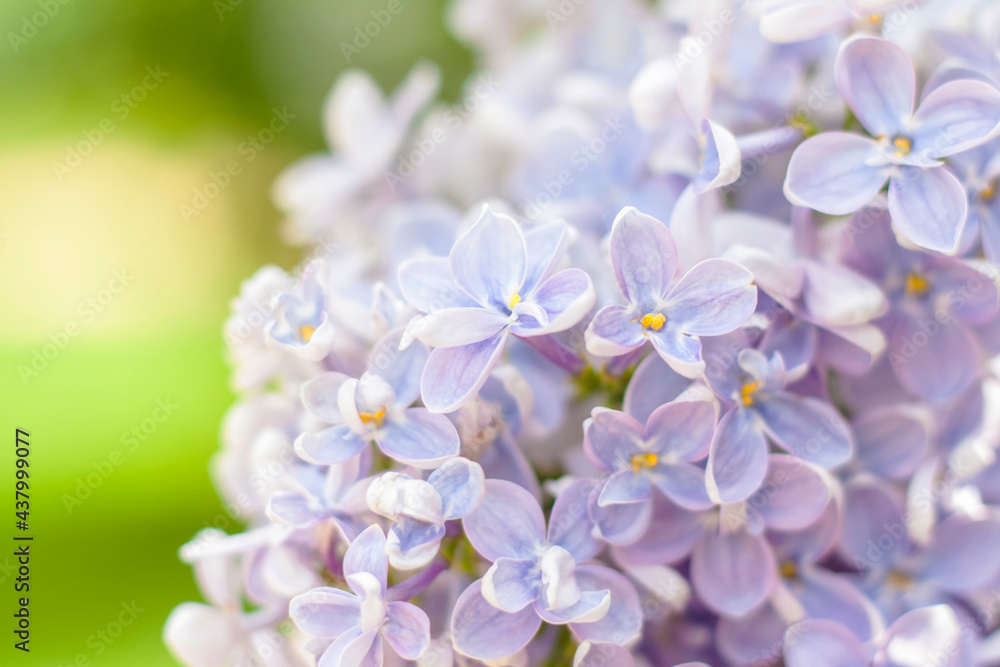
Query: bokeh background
107, 527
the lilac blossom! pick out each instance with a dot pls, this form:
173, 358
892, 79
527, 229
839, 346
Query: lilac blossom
839, 172
498, 280
536, 575
353, 624
419, 508
375, 407
714, 298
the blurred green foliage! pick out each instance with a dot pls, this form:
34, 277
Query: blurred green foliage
227, 71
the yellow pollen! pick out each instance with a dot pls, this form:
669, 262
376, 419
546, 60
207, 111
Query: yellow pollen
307, 332
917, 285
789, 570
898, 580
875, 18
746, 393
989, 192
514, 300
376, 417
903, 146
645, 460
653, 321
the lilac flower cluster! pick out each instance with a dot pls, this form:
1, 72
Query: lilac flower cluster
677, 346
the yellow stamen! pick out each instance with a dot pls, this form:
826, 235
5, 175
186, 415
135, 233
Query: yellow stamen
746, 393
307, 332
789, 570
514, 300
653, 321
898, 580
903, 146
988, 193
917, 285
875, 19
645, 460
376, 417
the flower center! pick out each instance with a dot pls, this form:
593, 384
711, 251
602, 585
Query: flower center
514, 300
377, 418
899, 580
989, 193
654, 321
306, 332
902, 145
747, 392
644, 460
917, 285
789, 570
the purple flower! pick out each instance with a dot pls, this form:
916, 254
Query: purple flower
839, 172
354, 624
301, 323
713, 298
419, 508
661, 454
375, 407
338, 497
761, 408
498, 280
933, 302
538, 575
930, 635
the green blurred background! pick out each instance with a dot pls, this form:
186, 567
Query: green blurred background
227, 64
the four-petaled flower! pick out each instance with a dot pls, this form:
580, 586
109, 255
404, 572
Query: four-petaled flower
420, 508
498, 280
715, 297
839, 172
375, 407
354, 624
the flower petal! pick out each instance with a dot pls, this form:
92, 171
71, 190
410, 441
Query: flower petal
614, 331
682, 430
489, 261
325, 612
643, 255
807, 427
828, 172
461, 485
928, 207
419, 438
592, 606
428, 286
508, 522
955, 117
452, 327
570, 526
622, 624
713, 298
933, 359
610, 438
511, 584
566, 298
822, 643
624, 486
877, 81
329, 447
792, 495
732, 573
684, 484
481, 631
737, 458
453, 374
367, 555
962, 554
319, 395
408, 629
